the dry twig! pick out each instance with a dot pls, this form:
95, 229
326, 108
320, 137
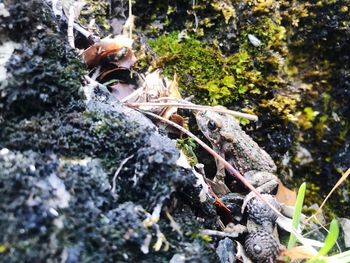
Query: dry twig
117, 172
194, 107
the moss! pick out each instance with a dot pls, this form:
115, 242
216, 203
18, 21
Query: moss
306, 117
227, 10
321, 126
263, 6
98, 10
322, 34
284, 105
207, 74
271, 33
188, 147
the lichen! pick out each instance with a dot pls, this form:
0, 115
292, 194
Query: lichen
44, 71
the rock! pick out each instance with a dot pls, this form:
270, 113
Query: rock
254, 40
59, 152
345, 225
226, 251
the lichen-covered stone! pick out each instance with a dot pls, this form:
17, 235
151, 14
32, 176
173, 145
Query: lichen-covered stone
59, 152
44, 72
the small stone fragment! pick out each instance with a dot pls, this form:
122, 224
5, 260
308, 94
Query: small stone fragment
345, 225
256, 42
226, 251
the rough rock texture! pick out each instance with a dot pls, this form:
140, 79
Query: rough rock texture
60, 198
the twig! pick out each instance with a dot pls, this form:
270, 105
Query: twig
82, 30
70, 32
210, 232
340, 181
130, 19
117, 172
195, 107
195, 16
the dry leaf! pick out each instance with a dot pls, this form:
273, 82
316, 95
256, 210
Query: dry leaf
285, 195
117, 50
153, 88
174, 88
218, 188
300, 252
117, 25
127, 61
176, 118
173, 92
129, 25
109, 72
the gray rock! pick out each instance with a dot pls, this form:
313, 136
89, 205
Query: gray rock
226, 251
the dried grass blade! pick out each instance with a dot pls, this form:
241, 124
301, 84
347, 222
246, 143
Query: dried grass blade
195, 107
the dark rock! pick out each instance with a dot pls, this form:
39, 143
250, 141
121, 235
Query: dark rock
58, 158
234, 202
43, 73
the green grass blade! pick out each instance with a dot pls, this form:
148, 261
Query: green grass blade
331, 238
297, 213
343, 257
